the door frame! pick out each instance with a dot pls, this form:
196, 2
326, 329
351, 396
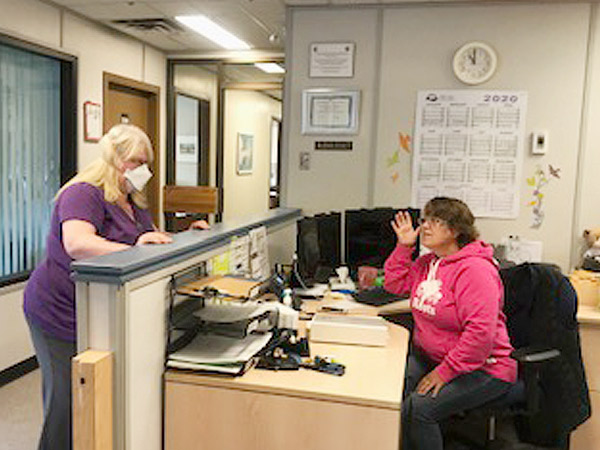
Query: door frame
203, 142
152, 92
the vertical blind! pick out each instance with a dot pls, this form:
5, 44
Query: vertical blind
30, 120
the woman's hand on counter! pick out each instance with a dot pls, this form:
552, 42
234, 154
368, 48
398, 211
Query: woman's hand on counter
154, 237
199, 225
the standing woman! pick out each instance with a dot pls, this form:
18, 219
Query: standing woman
460, 352
100, 210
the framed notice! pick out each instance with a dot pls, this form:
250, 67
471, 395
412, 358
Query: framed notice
92, 121
331, 60
245, 152
330, 111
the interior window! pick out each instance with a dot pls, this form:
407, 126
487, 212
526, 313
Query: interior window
35, 155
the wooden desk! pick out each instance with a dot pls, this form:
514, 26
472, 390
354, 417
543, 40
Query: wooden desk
304, 410
587, 436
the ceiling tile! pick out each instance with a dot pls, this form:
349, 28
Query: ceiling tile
121, 10
306, 2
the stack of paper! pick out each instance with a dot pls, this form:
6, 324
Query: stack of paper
209, 352
259, 253
232, 286
237, 320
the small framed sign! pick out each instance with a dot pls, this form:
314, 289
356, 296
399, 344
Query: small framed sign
331, 60
92, 121
245, 153
330, 111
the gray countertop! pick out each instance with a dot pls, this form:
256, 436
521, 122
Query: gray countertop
116, 268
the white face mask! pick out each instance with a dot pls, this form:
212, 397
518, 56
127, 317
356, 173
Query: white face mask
138, 177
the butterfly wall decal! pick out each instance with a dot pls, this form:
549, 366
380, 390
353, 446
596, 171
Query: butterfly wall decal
394, 159
404, 142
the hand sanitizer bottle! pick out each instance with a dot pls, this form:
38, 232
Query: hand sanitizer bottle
287, 297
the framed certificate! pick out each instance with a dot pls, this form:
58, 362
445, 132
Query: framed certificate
92, 121
331, 60
330, 111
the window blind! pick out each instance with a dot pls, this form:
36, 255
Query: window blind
30, 155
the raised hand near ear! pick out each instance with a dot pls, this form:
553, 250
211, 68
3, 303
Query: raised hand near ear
403, 227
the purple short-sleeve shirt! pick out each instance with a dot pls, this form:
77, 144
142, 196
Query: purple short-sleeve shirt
50, 292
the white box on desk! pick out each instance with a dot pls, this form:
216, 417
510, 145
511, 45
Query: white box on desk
359, 330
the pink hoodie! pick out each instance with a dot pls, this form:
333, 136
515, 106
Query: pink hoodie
456, 303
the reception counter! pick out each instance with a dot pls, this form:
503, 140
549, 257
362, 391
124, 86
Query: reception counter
122, 304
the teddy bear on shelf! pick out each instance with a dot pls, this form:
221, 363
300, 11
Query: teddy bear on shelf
591, 257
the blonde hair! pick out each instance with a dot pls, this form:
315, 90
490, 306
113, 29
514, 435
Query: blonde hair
122, 143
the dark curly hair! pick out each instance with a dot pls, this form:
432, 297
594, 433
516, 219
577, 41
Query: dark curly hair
457, 216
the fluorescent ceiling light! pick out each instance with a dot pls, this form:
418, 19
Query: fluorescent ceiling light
270, 67
216, 33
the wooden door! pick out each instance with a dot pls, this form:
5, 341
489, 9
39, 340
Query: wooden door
131, 101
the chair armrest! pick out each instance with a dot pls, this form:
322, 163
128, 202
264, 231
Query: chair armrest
531, 361
529, 355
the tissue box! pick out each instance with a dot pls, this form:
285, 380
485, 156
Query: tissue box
358, 330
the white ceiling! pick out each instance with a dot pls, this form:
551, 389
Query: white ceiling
253, 21
261, 23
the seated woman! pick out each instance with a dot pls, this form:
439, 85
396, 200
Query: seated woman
460, 352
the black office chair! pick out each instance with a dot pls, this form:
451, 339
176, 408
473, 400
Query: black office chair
551, 396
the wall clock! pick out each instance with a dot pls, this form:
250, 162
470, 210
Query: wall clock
474, 63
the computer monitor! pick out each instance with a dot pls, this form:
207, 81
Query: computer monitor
369, 237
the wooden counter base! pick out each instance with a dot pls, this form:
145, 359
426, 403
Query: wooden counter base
293, 410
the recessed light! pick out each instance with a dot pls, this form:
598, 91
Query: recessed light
216, 33
270, 67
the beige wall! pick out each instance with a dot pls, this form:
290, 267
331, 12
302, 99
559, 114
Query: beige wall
247, 112
542, 50
337, 179
97, 49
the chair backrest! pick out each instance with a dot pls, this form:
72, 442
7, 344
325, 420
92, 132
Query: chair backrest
541, 312
538, 301
191, 199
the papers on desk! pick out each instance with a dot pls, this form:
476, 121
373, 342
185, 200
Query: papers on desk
232, 286
239, 259
237, 320
259, 254
317, 291
220, 354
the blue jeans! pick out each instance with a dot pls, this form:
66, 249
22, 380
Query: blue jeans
422, 414
54, 356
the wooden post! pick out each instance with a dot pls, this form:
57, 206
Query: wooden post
92, 400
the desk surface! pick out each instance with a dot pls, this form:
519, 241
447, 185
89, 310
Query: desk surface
374, 375
589, 315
